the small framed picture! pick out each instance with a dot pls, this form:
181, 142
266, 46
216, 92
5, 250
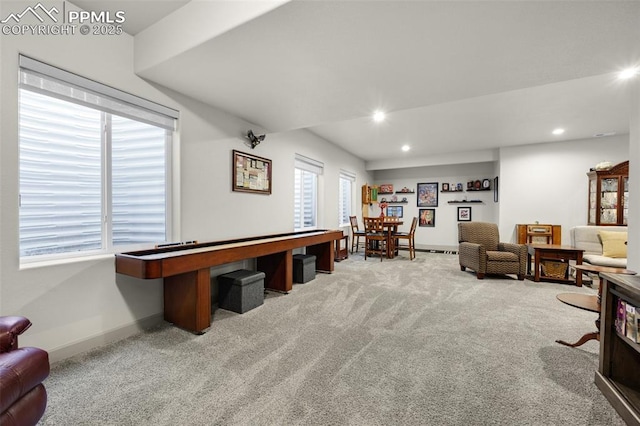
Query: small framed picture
395, 211
427, 217
428, 194
464, 214
386, 188
445, 187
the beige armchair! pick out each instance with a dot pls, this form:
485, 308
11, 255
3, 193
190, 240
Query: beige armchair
480, 250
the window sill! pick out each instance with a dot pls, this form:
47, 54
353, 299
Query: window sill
55, 262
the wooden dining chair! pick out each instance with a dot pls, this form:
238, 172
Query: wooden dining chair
409, 237
356, 233
375, 241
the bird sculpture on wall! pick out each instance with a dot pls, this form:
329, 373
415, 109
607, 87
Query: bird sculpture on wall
253, 139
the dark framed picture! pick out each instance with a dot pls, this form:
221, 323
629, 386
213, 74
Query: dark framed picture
495, 189
427, 217
251, 173
428, 194
445, 186
464, 214
395, 211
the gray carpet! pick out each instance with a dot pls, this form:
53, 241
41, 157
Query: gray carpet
375, 343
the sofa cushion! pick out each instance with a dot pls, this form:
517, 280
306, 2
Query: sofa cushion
596, 259
586, 237
614, 244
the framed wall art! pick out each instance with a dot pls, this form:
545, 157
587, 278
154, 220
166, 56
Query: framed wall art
395, 211
464, 214
427, 217
386, 188
428, 194
251, 173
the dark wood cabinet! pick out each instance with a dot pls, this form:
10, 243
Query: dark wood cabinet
618, 375
609, 195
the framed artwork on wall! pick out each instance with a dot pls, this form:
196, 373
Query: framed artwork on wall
427, 217
386, 188
251, 173
395, 211
464, 214
428, 194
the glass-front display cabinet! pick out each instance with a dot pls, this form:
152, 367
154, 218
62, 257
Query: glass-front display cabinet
609, 195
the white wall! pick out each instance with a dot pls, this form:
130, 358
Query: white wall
548, 182
444, 235
633, 254
78, 305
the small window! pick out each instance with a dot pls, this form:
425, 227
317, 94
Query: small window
345, 203
306, 175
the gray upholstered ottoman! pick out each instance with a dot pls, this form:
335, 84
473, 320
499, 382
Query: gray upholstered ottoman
304, 268
240, 291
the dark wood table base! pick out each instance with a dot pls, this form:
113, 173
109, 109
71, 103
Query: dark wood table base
587, 302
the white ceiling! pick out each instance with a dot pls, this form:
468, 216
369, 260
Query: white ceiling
453, 76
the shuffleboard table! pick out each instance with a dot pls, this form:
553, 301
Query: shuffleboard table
185, 269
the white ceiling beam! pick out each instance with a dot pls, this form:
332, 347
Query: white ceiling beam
192, 25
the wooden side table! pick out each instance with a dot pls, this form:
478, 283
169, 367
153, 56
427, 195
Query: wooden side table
554, 252
342, 253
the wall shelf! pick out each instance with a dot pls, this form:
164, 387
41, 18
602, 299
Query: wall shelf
465, 202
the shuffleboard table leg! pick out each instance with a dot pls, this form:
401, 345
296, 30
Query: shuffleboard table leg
278, 270
187, 300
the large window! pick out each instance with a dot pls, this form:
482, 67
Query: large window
306, 174
94, 166
346, 195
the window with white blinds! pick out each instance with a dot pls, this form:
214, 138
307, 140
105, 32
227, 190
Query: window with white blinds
345, 193
306, 175
91, 180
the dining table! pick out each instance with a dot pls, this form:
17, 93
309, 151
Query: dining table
390, 225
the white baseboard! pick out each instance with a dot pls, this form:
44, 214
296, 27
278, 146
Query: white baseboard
105, 338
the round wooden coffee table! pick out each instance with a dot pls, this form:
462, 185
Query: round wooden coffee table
588, 302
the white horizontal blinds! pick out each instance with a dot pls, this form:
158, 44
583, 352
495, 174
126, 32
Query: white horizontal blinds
138, 164
93, 169
345, 193
60, 176
38, 76
307, 171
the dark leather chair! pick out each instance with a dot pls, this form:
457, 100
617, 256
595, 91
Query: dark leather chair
23, 398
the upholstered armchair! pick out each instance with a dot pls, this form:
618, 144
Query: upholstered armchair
480, 250
23, 398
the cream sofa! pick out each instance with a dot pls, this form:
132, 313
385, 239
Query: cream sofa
587, 238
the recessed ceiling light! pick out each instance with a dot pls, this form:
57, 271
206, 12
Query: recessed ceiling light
628, 73
406, 148
378, 116
558, 131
